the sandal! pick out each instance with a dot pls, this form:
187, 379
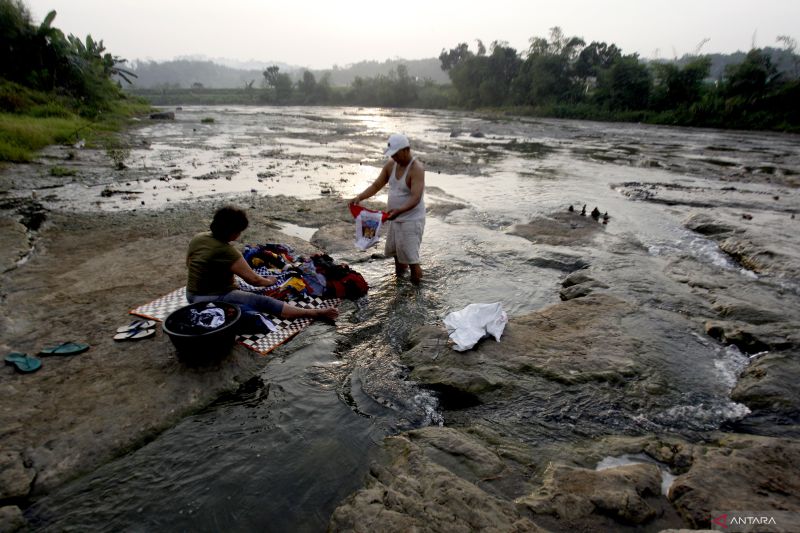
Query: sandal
134, 334
137, 324
23, 362
65, 348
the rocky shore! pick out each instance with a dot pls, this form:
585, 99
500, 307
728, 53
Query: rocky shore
475, 475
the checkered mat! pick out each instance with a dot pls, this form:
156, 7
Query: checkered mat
262, 343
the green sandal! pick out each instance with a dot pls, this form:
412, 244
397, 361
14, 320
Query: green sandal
65, 348
23, 362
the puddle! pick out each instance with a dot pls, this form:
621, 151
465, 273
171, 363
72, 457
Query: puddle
296, 231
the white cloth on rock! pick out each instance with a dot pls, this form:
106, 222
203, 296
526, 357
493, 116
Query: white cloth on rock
476, 321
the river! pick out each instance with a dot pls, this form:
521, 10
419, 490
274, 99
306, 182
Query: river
282, 452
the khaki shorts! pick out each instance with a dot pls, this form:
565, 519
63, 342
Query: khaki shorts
404, 239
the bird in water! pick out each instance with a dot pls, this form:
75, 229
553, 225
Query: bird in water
605, 217
571, 209
595, 213
583, 211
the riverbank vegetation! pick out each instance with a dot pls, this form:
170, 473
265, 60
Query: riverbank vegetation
557, 76
55, 88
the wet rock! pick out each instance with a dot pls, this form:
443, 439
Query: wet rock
753, 256
751, 338
771, 383
744, 311
739, 472
706, 225
629, 494
560, 229
553, 343
408, 491
11, 519
15, 477
561, 262
578, 285
576, 278
580, 290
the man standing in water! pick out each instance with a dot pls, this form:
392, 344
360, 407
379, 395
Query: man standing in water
406, 178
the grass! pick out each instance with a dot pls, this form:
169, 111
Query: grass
31, 120
21, 135
61, 172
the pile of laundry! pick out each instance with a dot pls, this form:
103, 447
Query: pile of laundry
315, 276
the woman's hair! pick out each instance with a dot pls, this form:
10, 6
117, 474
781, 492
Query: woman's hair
228, 221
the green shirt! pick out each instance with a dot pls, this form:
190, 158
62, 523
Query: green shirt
209, 262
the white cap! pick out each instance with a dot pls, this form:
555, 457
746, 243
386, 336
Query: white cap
397, 142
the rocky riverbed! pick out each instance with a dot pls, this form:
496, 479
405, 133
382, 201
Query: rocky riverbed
642, 386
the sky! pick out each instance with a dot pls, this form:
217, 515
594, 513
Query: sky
318, 35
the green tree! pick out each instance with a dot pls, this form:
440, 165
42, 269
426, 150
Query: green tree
501, 68
626, 85
307, 86
283, 87
455, 56
676, 87
547, 74
271, 76
751, 79
596, 58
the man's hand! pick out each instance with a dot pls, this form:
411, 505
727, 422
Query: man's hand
269, 281
392, 214
353, 201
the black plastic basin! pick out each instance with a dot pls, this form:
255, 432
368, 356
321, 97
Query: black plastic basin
196, 345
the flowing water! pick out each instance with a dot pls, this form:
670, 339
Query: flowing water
282, 452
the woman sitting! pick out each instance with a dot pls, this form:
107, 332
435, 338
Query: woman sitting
212, 262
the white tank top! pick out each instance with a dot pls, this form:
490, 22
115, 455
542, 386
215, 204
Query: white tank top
399, 194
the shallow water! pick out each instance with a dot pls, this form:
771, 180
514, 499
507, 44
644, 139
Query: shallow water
282, 452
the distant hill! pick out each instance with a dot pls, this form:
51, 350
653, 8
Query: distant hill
419, 68
189, 72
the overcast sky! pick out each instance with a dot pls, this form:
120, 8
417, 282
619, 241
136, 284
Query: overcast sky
318, 34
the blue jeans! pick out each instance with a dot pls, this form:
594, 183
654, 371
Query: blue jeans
259, 302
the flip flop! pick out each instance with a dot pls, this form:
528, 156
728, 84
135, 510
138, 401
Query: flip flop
137, 324
65, 348
23, 363
134, 334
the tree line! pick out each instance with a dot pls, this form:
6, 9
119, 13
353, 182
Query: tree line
562, 76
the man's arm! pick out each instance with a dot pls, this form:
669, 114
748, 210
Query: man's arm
416, 184
377, 185
243, 270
